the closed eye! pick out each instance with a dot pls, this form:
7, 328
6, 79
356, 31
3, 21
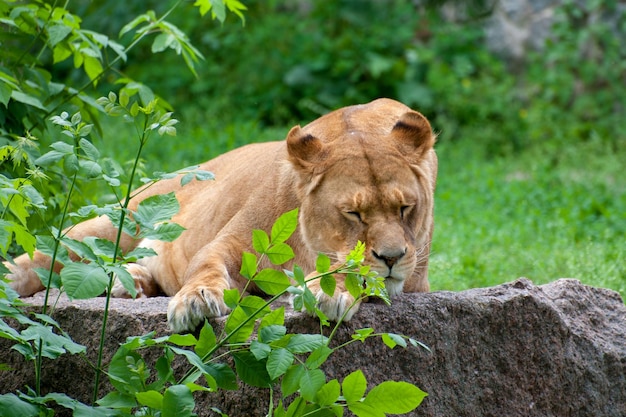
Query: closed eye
353, 215
405, 211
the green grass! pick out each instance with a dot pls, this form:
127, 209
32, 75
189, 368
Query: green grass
544, 214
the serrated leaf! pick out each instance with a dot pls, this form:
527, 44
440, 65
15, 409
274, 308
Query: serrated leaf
304, 343
248, 265
231, 297
162, 42
276, 317
56, 33
83, 281
354, 285
279, 253
251, 371
271, 333
206, 340
291, 380
260, 350
353, 386
271, 281
395, 397
329, 393
123, 276
182, 339
166, 232
139, 253
328, 284
278, 361
178, 402
93, 67
260, 241
284, 227
392, 340
152, 399
310, 383
156, 209
318, 357
322, 264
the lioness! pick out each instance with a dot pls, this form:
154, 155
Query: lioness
364, 172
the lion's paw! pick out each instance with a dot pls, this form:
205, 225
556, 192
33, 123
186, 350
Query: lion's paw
190, 307
144, 283
337, 306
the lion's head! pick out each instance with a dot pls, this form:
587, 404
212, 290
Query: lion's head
368, 173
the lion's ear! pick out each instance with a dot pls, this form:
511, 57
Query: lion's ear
414, 134
304, 149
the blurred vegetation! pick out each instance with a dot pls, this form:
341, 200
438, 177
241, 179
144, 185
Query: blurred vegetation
531, 152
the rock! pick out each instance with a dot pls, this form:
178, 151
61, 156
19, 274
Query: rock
515, 350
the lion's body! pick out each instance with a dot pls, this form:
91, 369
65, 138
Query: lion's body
360, 173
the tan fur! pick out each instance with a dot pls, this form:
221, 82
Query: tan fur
363, 172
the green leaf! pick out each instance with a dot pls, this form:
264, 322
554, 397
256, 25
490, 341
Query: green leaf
83, 281
27, 99
322, 264
12, 405
231, 297
123, 276
260, 350
276, 317
223, 375
93, 67
304, 343
278, 362
156, 209
365, 410
393, 397
178, 402
182, 339
328, 284
284, 227
162, 42
271, 281
279, 253
260, 240
206, 340
329, 393
116, 399
248, 265
271, 333
5, 93
291, 380
353, 386
89, 149
152, 399
166, 232
354, 285
392, 340
310, 383
298, 275
318, 357
362, 334
251, 371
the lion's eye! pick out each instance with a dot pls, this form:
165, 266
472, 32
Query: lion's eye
354, 215
404, 211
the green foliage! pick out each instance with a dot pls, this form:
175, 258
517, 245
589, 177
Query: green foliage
42, 44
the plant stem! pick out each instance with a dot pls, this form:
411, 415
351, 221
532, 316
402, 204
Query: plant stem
126, 202
57, 242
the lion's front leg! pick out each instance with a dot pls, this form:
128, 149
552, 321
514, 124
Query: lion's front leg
341, 304
23, 279
204, 283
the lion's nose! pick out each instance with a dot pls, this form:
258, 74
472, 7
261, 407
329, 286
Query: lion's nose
389, 257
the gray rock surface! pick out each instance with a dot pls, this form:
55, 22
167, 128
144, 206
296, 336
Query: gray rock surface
511, 350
